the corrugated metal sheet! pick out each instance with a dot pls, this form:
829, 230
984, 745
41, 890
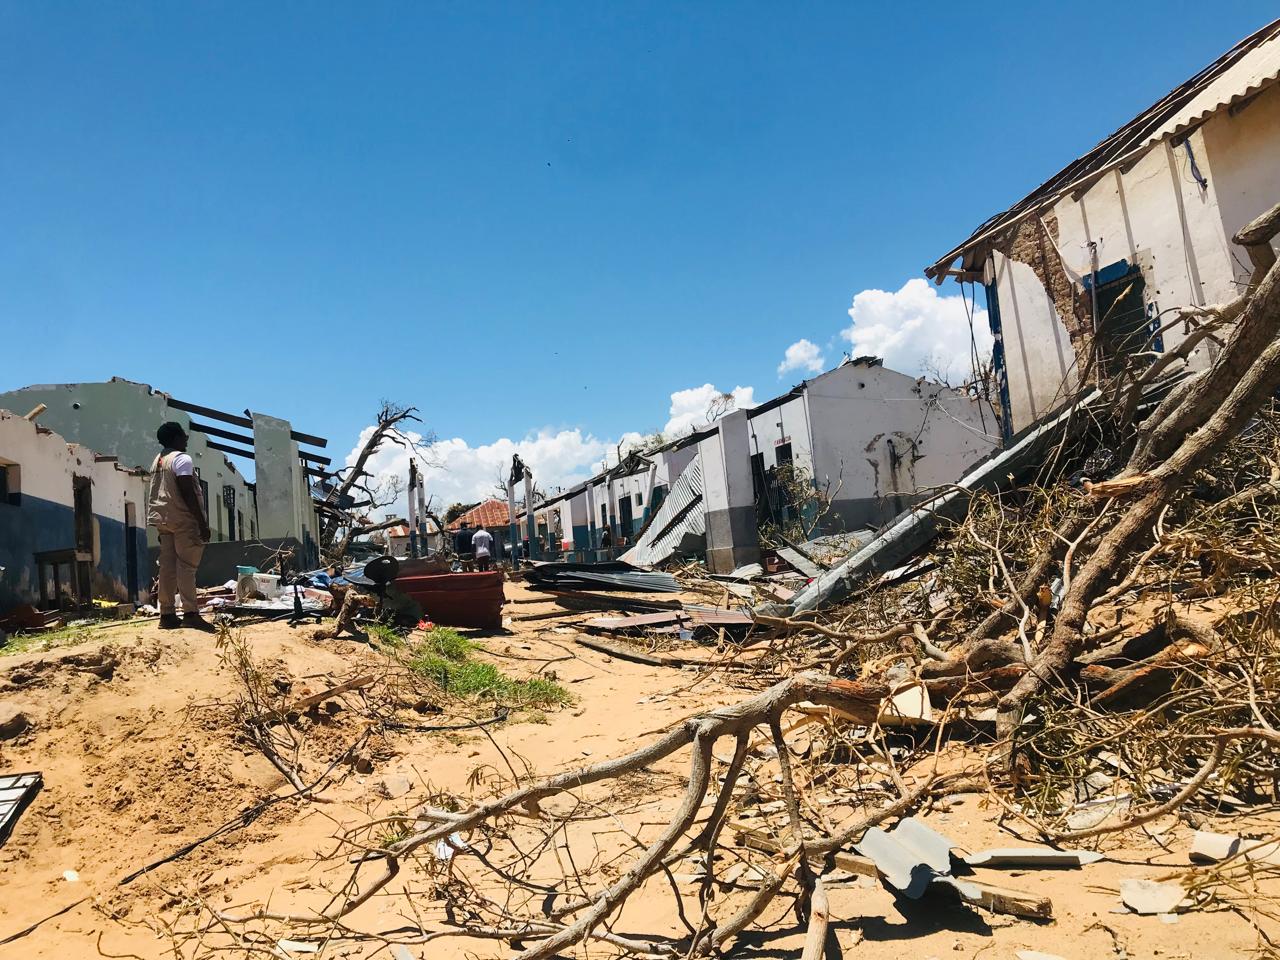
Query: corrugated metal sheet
1258, 68
640, 580
681, 514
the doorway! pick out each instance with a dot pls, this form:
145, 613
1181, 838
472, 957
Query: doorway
82, 565
625, 528
131, 549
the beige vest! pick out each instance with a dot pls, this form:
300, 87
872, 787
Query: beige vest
165, 506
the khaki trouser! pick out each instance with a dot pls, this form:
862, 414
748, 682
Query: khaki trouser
180, 551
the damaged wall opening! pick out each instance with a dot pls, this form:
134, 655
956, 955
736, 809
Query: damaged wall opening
1123, 326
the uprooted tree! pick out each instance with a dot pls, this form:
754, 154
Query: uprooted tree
505, 868
344, 517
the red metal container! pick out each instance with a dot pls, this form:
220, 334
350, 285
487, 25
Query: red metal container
457, 599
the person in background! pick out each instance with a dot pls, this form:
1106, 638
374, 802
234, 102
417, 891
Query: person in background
462, 544
482, 546
175, 507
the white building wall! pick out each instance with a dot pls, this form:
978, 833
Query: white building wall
41, 514
1039, 358
1153, 214
881, 437
120, 418
788, 423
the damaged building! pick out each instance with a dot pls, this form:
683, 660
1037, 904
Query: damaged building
868, 438
247, 518
72, 520
1138, 226
865, 441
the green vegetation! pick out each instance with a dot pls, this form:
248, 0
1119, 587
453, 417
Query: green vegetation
393, 833
385, 636
443, 656
38, 641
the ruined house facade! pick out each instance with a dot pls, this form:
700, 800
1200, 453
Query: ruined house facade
868, 440
119, 418
72, 520
1140, 225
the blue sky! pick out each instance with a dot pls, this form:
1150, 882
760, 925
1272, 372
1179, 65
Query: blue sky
521, 217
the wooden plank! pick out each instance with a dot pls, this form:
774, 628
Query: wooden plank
306, 703
1001, 899
759, 839
625, 653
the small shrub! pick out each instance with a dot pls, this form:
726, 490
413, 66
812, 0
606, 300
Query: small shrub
385, 635
443, 656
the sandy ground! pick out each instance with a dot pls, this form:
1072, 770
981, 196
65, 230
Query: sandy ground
140, 763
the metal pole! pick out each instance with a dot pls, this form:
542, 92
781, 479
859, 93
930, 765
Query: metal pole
514, 531
529, 514
422, 515
413, 516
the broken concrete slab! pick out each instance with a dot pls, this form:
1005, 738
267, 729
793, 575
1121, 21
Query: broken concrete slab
1209, 847
1012, 857
908, 706
1150, 897
1094, 812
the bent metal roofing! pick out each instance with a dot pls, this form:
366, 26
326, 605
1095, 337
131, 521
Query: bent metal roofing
1246, 69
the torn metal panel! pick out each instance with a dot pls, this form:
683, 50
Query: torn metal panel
647, 581
615, 575
898, 864
910, 858
17, 790
679, 522
800, 562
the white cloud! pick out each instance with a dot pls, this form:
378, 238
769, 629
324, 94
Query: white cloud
456, 472
916, 331
802, 355
689, 407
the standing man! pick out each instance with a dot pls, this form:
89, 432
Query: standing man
462, 544
482, 547
175, 507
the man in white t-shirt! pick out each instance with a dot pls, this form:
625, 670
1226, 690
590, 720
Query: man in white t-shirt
482, 547
175, 507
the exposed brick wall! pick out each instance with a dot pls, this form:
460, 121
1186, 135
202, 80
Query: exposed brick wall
1033, 244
